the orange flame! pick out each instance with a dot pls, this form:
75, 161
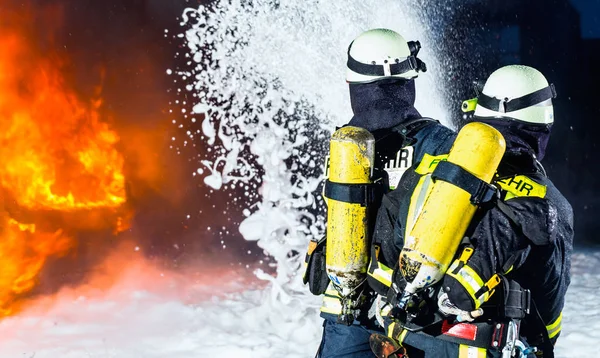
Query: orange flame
56, 154
24, 253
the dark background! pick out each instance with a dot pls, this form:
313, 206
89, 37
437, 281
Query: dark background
559, 37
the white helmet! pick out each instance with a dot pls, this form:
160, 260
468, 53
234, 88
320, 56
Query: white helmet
517, 92
381, 54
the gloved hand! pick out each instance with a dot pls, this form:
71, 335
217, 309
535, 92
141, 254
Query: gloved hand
448, 308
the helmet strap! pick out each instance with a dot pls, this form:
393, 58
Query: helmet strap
387, 69
510, 105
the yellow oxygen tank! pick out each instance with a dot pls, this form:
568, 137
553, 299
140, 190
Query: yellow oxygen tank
448, 210
351, 159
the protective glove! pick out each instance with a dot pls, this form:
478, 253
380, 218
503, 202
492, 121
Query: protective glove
449, 309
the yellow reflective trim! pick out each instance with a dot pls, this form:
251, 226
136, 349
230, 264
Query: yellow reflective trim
331, 305
555, 327
382, 274
471, 281
386, 310
509, 269
556, 322
429, 163
472, 274
390, 330
522, 186
402, 336
388, 271
332, 292
553, 333
331, 310
465, 351
465, 281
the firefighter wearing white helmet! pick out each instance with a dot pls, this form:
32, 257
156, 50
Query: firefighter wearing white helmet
517, 92
381, 70
517, 99
511, 272
382, 54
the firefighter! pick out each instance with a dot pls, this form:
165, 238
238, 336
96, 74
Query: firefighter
505, 288
381, 71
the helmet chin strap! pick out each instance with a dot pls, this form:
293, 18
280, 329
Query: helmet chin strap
510, 105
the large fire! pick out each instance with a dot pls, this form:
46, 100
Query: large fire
57, 155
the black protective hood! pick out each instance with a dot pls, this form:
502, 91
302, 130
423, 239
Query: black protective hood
521, 137
382, 104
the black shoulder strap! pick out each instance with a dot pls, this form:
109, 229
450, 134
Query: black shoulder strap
363, 194
481, 192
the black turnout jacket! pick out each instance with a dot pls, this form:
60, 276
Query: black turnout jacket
526, 238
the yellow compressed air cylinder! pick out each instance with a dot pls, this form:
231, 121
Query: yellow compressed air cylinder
447, 212
352, 155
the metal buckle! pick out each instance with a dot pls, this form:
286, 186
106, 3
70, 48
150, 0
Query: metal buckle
512, 334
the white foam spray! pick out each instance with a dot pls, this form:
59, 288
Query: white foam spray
265, 82
266, 79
